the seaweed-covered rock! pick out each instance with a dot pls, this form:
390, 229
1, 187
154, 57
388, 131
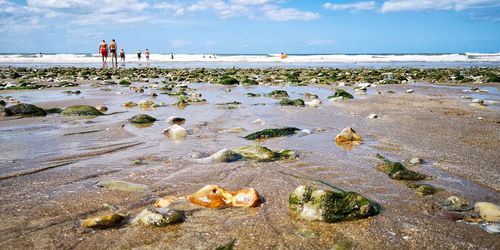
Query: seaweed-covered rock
25, 109
272, 132
2, 103
423, 189
158, 217
124, 83
81, 110
248, 82
141, 119
397, 171
252, 95
313, 204
54, 111
263, 154
104, 221
228, 80
289, 102
341, 94
456, 203
5, 112
278, 94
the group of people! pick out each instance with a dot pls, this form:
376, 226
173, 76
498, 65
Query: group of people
104, 49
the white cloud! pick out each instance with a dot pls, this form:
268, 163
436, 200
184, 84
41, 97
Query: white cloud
319, 42
367, 5
179, 43
276, 13
422, 5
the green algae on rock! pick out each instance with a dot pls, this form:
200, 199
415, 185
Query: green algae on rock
423, 189
25, 109
263, 154
341, 94
122, 186
277, 94
228, 80
158, 217
124, 83
252, 95
272, 132
313, 204
81, 110
397, 171
289, 102
141, 119
104, 221
5, 112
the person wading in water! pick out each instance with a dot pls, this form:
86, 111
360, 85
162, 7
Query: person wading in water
103, 50
112, 49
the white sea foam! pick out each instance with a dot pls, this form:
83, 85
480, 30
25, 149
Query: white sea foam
270, 58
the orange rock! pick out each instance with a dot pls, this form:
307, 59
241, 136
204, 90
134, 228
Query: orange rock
247, 197
348, 135
211, 196
165, 202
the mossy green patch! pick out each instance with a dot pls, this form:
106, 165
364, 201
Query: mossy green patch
81, 110
289, 102
271, 133
141, 119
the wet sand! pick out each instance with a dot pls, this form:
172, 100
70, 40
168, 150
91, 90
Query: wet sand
50, 165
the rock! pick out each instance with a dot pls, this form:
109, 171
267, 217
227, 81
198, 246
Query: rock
410, 91
423, 189
124, 83
122, 186
313, 204
5, 112
364, 85
252, 95
313, 103
158, 217
141, 119
104, 221
480, 101
304, 132
415, 161
278, 94
213, 196
129, 104
271, 133
348, 135
372, 116
175, 132
340, 94
263, 154
492, 228
289, 102
224, 155
397, 171
165, 202
81, 110
236, 130
25, 109
455, 203
228, 80
53, 111
176, 120
145, 104
259, 121
3, 103
488, 211
102, 108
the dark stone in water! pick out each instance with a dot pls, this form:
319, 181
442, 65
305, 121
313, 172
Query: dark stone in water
25, 109
81, 110
397, 171
289, 102
278, 94
272, 132
141, 119
340, 93
228, 80
5, 111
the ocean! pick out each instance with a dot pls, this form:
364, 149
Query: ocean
257, 60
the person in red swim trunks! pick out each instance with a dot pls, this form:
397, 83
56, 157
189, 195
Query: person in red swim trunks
103, 50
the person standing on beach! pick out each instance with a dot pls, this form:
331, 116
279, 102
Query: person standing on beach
139, 55
112, 49
103, 50
147, 55
122, 55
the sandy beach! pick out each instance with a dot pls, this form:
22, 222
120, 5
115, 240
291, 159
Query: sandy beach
50, 165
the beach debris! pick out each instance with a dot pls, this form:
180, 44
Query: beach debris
372, 116
104, 221
290, 102
456, 203
102, 108
311, 204
212, 196
224, 155
397, 171
348, 135
410, 91
129, 104
479, 101
175, 132
488, 211
158, 217
25, 109
278, 94
340, 94
80, 110
493, 228
271, 133
263, 154
423, 189
122, 186
141, 119
228, 80
176, 120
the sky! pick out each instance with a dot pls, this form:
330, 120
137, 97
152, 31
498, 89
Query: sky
251, 27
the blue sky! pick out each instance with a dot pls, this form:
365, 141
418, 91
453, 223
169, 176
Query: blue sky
245, 26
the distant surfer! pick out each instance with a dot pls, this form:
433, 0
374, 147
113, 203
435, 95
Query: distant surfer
41, 55
139, 55
172, 56
122, 55
103, 50
112, 49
